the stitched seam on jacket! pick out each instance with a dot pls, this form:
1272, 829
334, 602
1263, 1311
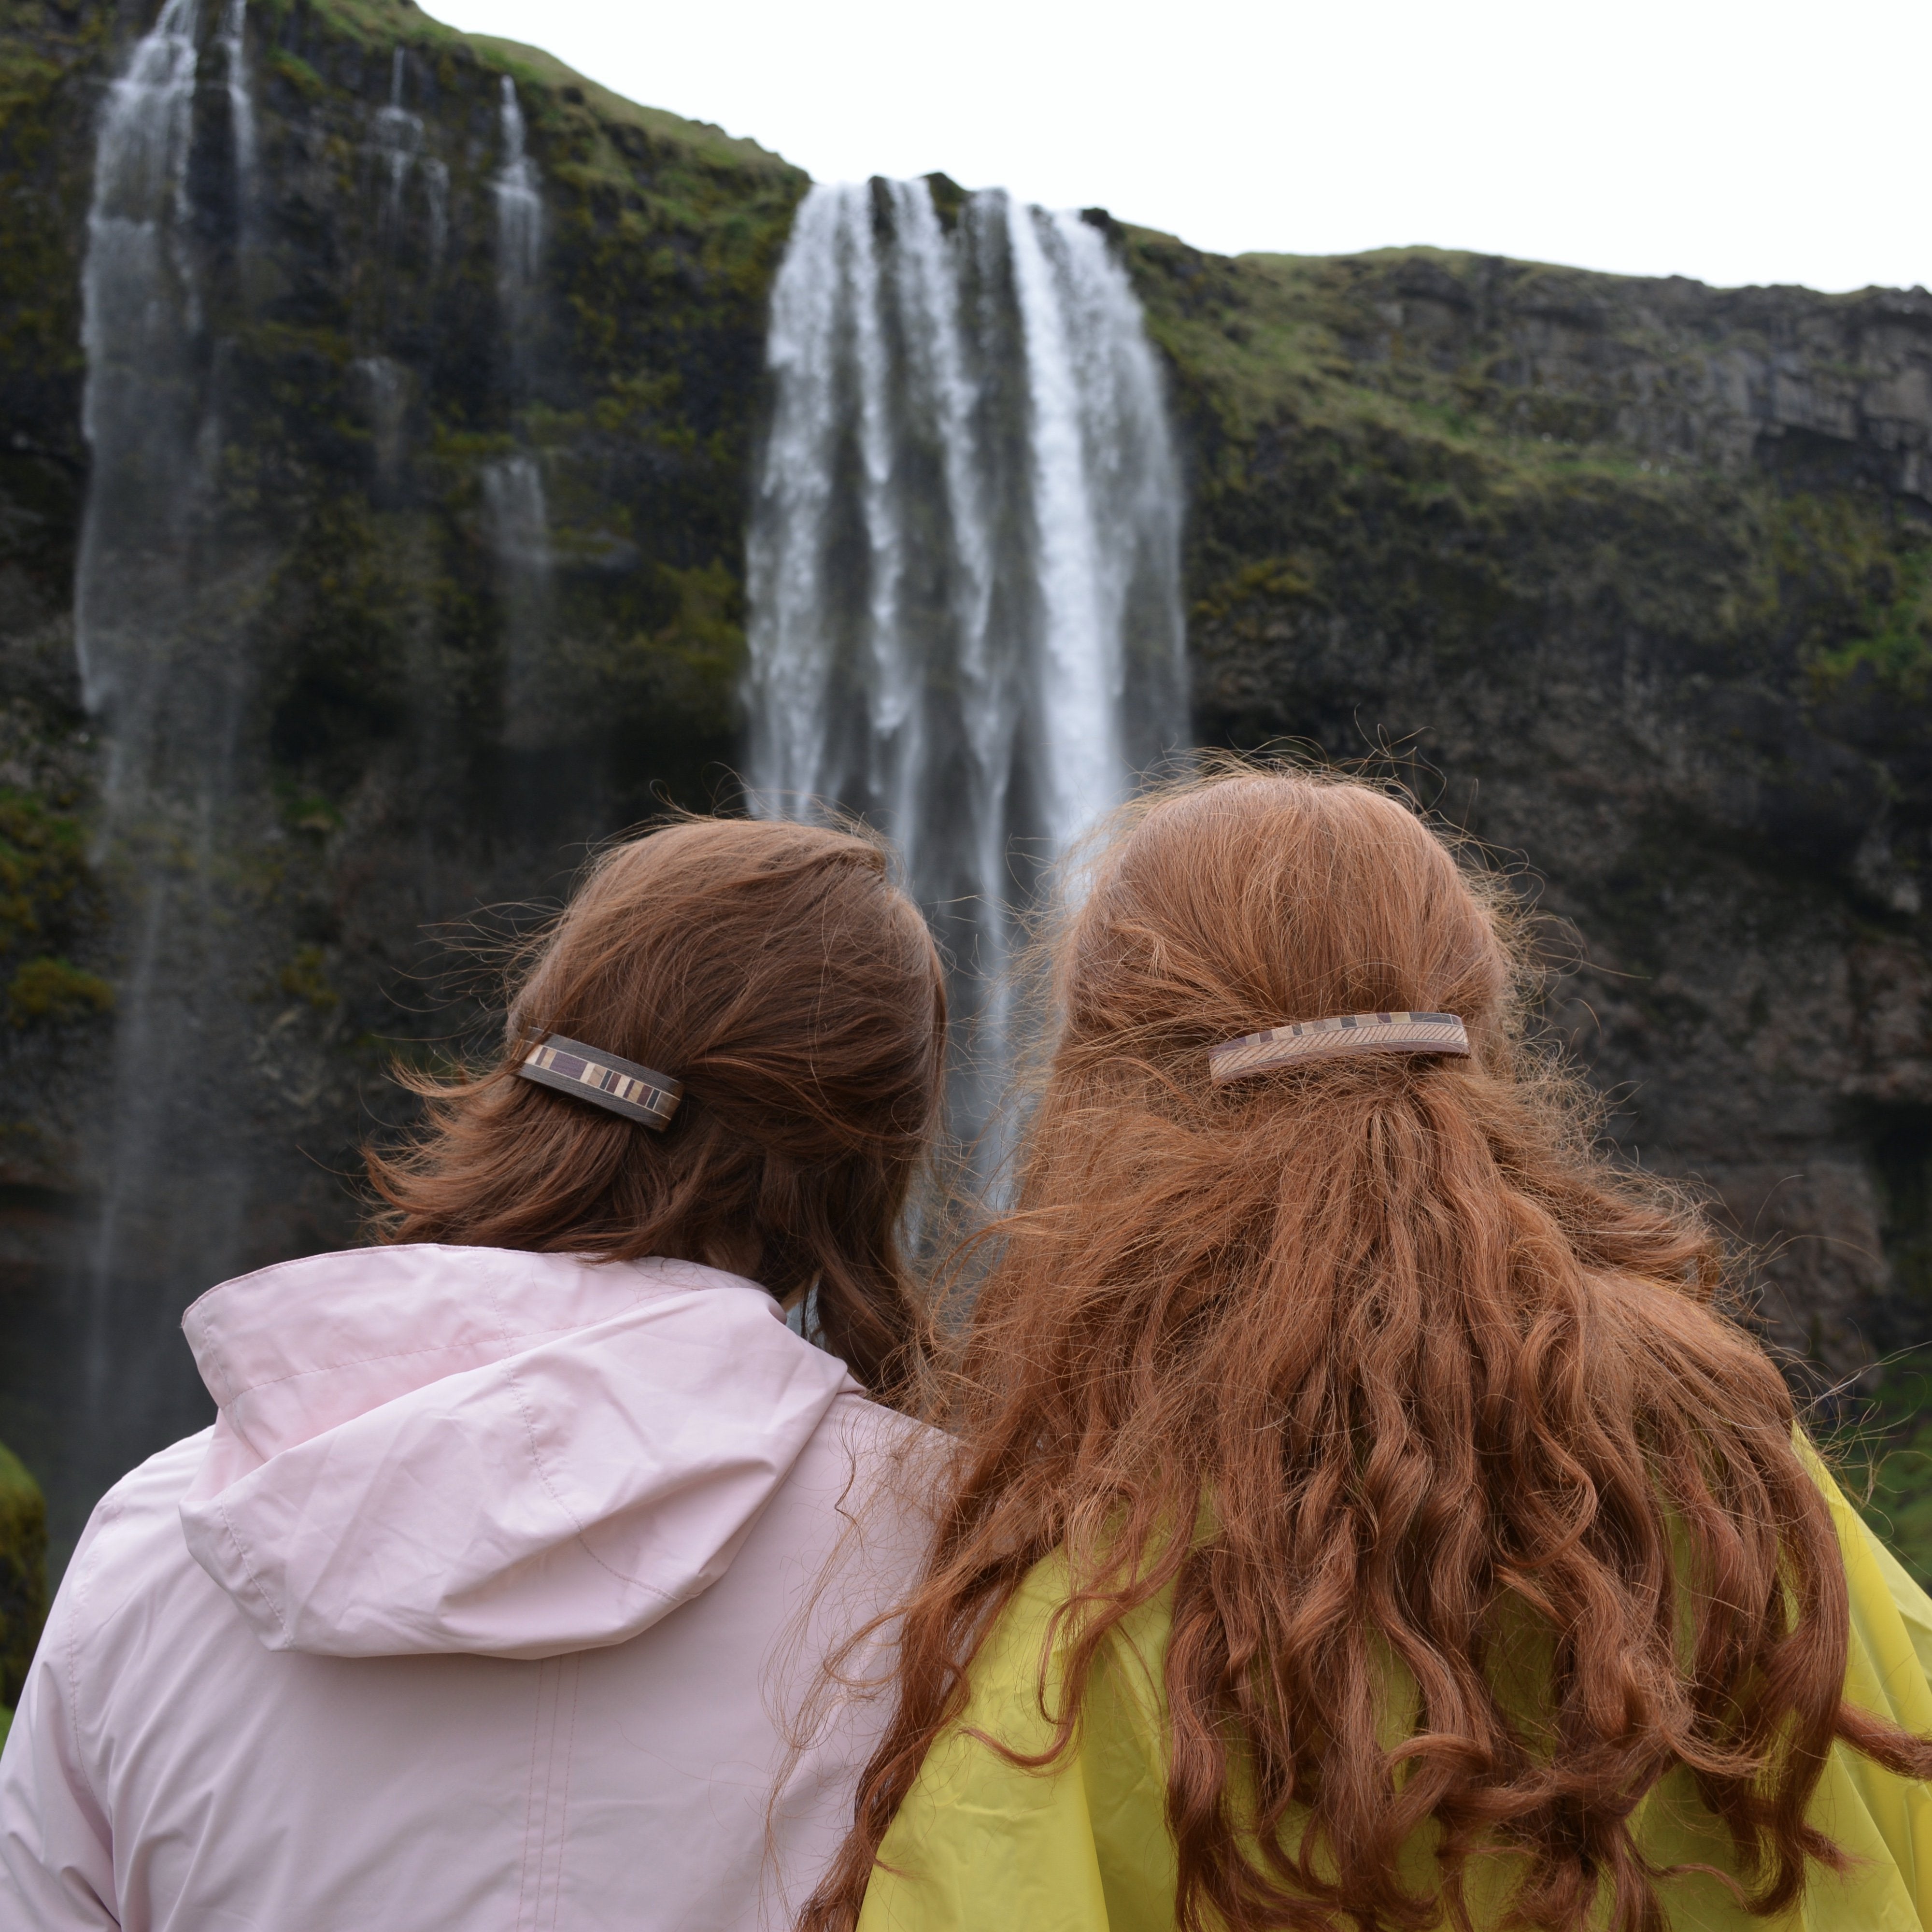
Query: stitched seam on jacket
248, 1568
530, 1801
218, 1360
73, 1648
505, 1333
541, 1802
574, 1665
399, 1355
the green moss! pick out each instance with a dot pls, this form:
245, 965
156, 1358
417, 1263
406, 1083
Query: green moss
335, 642
1369, 435
303, 979
381, 24
292, 68
1274, 580
26, 77
44, 876
701, 140
949, 200
1882, 1454
39, 268
1261, 337
49, 988
308, 811
23, 1573
707, 635
1894, 647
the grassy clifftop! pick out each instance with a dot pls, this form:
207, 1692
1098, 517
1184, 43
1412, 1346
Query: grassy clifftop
382, 25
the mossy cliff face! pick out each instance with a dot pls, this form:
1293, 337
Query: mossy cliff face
1634, 580
377, 402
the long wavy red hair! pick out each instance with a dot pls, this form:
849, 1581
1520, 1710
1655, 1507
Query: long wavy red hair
1419, 1362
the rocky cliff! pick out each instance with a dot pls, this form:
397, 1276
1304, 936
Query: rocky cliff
1635, 578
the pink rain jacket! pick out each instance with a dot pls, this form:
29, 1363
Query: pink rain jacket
495, 1598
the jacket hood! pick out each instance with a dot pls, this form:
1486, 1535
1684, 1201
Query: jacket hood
424, 1449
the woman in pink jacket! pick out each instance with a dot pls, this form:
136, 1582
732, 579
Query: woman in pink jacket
496, 1594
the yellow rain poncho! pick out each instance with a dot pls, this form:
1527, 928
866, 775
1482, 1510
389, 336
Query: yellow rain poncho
982, 1846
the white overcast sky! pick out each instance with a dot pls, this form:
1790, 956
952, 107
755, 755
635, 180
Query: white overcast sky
1764, 142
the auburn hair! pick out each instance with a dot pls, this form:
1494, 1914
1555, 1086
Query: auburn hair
777, 971
1416, 1365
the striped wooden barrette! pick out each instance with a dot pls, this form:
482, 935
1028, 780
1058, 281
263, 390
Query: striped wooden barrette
589, 1073
1353, 1032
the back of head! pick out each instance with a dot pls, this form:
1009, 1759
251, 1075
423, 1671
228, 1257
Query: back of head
1433, 1385
1265, 897
776, 971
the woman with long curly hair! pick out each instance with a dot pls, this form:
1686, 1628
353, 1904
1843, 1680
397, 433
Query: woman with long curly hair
1366, 1515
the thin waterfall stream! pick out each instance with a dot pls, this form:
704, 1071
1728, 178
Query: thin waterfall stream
963, 567
399, 138
157, 610
175, 577
517, 510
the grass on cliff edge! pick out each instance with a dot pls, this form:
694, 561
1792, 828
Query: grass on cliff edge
1882, 1456
1261, 332
385, 23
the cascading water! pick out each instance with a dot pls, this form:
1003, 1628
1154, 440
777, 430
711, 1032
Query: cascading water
964, 565
520, 224
518, 514
140, 320
384, 383
399, 139
241, 99
519, 525
156, 613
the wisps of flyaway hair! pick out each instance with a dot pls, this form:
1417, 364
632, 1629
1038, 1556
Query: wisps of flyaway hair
777, 972
1432, 1378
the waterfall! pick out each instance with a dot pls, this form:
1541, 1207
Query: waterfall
518, 516
436, 179
384, 384
141, 314
964, 556
158, 606
519, 527
241, 100
519, 222
399, 139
